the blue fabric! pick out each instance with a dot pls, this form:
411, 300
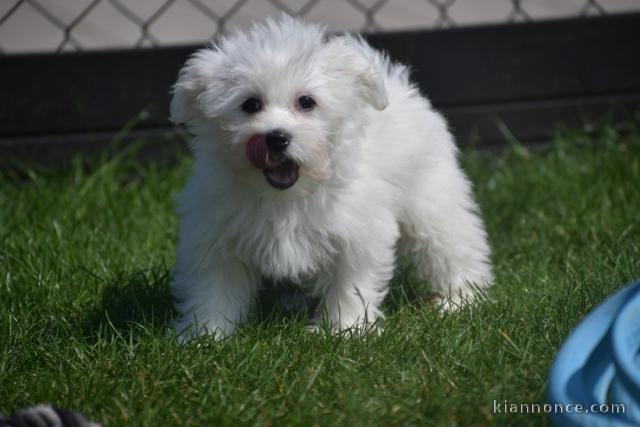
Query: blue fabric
600, 363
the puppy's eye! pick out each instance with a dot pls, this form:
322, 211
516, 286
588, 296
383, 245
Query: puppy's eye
306, 102
251, 105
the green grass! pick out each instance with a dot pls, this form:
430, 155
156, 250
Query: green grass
84, 302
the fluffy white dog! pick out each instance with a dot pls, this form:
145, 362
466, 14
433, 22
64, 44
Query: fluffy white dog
316, 161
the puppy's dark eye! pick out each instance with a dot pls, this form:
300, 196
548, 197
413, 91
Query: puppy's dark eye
251, 105
306, 102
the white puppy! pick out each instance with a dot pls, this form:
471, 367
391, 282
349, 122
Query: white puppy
316, 161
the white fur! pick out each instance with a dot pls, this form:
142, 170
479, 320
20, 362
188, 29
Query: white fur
378, 177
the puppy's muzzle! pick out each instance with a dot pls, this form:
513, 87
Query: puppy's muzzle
267, 152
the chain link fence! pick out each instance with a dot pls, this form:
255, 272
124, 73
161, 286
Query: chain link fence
72, 25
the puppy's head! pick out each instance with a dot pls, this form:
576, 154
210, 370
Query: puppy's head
286, 98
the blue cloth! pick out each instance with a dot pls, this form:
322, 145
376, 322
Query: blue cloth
600, 364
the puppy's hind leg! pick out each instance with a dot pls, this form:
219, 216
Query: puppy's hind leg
445, 237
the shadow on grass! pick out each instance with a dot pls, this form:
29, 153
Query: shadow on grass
289, 301
144, 299
283, 301
129, 300
406, 288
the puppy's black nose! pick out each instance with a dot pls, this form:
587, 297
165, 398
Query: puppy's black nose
277, 140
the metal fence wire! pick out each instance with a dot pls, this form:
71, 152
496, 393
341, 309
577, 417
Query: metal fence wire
68, 25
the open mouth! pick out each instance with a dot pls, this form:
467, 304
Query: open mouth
283, 176
280, 172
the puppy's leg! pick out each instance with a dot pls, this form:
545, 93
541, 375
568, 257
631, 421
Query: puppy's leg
214, 301
445, 237
354, 288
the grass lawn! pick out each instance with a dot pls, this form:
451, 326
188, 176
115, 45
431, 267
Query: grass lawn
84, 302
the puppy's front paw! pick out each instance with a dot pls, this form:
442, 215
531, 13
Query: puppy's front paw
455, 301
448, 304
187, 331
313, 328
356, 329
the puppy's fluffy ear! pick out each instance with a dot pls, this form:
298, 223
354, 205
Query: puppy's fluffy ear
356, 60
194, 78
374, 89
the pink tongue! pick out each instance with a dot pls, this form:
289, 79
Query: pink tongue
257, 153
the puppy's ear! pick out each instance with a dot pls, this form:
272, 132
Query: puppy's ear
198, 73
375, 91
356, 59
